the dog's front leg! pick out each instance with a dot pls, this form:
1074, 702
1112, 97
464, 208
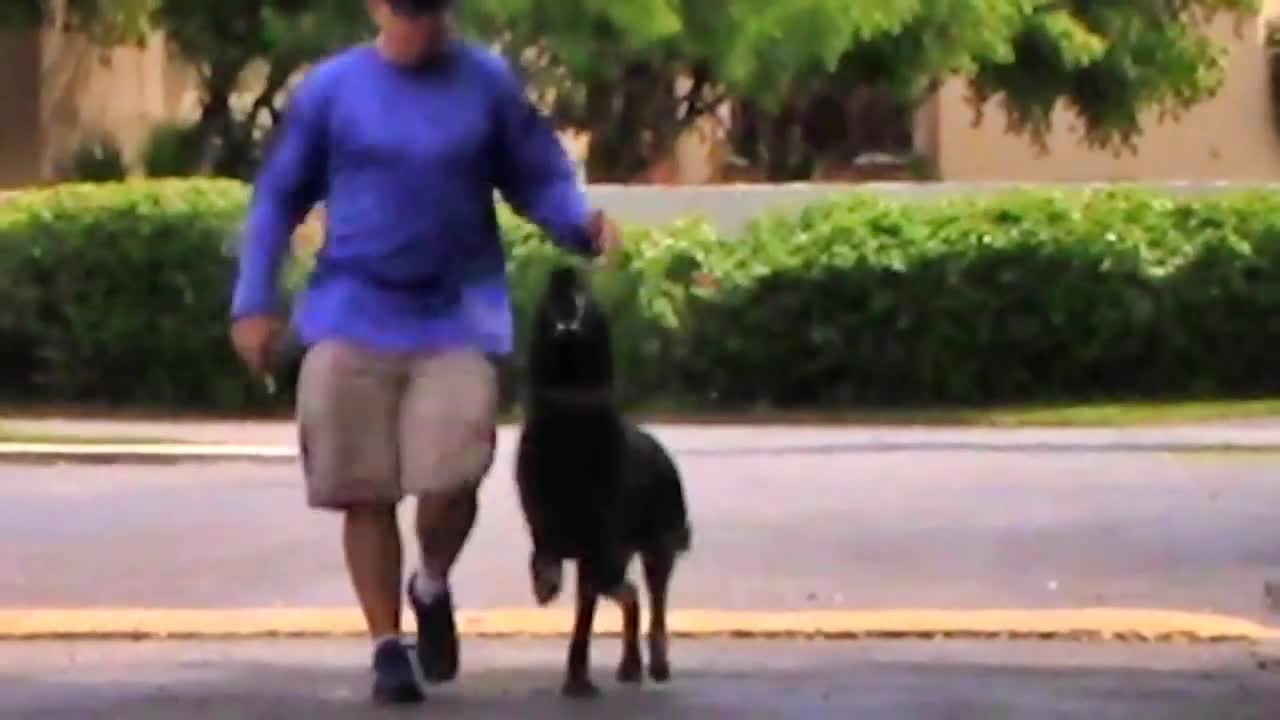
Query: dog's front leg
547, 572
577, 683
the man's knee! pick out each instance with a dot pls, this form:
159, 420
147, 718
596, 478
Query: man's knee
443, 518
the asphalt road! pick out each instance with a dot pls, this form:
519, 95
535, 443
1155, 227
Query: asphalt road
804, 526
723, 679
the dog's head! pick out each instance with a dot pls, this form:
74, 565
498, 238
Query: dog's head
568, 302
571, 348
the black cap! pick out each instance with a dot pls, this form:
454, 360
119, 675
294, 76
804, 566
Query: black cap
418, 8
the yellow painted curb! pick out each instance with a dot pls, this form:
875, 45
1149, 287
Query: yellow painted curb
1075, 624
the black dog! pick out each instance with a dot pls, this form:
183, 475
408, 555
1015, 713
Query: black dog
594, 487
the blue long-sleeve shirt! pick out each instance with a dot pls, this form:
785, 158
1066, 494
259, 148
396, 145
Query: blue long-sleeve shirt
406, 161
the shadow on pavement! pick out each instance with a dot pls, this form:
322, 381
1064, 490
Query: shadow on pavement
845, 689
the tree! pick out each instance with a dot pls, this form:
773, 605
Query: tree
611, 68
634, 74
222, 41
614, 69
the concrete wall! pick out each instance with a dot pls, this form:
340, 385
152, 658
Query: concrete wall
731, 207
1232, 136
123, 92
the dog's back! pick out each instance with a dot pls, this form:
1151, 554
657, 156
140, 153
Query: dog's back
657, 517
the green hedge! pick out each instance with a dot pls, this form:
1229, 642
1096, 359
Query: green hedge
1024, 297
117, 293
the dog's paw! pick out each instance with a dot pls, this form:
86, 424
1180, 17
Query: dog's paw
631, 670
547, 580
579, 689
659, 667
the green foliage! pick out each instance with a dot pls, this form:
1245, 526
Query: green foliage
223, 39
172, 150
609, 68
1109, 62
1032, 296
230, 33
96, 160
21, 13
110, 22
117, 293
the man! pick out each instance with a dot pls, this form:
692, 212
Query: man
405, 141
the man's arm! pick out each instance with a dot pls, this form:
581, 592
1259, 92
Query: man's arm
292, 180
536, 175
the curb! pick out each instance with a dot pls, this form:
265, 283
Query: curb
158, 453
172, 453
1090, 624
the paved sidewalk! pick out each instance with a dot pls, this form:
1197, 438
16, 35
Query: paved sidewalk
726, 680
218, 432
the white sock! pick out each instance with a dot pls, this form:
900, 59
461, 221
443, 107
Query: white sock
426, 587
384, 639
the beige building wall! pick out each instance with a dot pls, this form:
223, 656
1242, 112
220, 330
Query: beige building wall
58, 90
1231, 137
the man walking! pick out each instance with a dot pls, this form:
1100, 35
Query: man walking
404, 141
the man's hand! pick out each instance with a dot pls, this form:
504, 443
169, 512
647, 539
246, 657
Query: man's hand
606, 238
254, 337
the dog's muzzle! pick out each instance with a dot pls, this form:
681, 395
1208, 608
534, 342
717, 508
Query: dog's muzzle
574, 323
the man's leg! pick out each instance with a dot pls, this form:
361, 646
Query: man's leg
444, 523
348, 413
371, 540
447, 443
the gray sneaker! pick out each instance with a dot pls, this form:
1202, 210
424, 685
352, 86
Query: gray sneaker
393, 679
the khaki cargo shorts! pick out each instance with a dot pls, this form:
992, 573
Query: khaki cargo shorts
375, 428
